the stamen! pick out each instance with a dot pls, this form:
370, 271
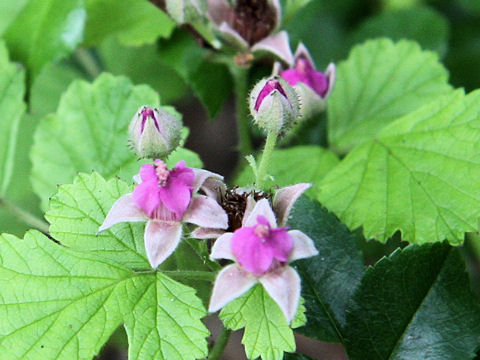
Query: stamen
162, 172
262, 231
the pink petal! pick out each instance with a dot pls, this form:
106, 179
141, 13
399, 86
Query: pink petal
285, 198
281, 243
206, 233
251, 252
330, 73
201, 177
146, 196
182, 174
147, 173
123, 210
302, 52
303, 246
176, 196
231, 282
161, 239
283, 286
263, 208
277, 44
204, 211
222, 248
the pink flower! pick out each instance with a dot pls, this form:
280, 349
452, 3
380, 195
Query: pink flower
261, 251
164, 199
251, 25
312, 86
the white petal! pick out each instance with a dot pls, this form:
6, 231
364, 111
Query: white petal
123, 210
137, 178
262, 207
232, 36
302, 52
206, 233
214, 188
330, 73
222, 248
285, 198
278, 13
204, 211
278, 44
248, 209
201, 176
283, 286
303, 246
161, 239
231, 282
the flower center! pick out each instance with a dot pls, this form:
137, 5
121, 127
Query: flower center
262, 231
162, 172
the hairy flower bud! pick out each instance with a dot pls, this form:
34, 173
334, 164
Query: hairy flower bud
154, 132
274, 105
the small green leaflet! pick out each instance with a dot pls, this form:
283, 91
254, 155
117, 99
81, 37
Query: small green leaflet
419, 175
294, 165
45, 31
267, 333
132, 22
380, 82
89, 132
12, 107
415, 304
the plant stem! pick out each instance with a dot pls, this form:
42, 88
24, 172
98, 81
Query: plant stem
220, 344
25, 216
240, 87
88, 62
264, 162
191, 275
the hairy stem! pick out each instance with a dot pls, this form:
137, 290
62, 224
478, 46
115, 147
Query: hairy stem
25, 216
88, 62
265, 161
220, 344
240, 87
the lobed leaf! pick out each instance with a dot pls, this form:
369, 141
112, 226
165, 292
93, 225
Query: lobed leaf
267, 333
415, 304
45, 31
380, 82
329, 279
419, 176
12, 107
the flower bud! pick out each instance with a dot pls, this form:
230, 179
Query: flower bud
154, 132
274, 105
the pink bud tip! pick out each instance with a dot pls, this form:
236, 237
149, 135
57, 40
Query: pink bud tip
304, 72
269, 87
148, 112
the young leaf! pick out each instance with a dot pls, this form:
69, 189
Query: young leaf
132, 22
419, 176
267, 333
9, 11
77, 211
329, 279
415, 304
297, 164
12, 107
379, 82
55, 304
45, 31
162, 319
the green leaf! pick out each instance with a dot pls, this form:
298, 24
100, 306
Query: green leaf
294, 165
88, 132
77, 211
419, 175
132, 22
211, 82
267, 333
12, 107
379, 82
408, 23
329, 279
55, 304
45, 31
415, 304
9, 10
162, 319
